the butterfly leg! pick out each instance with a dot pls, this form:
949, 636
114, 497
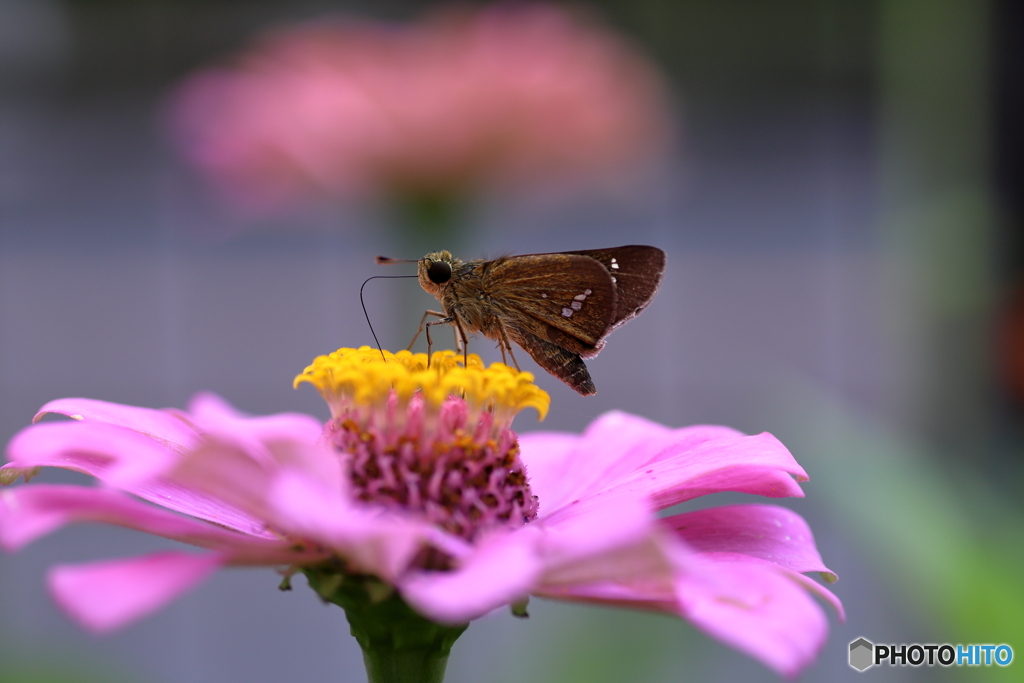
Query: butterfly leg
504, 344
512, 356
444, 320
461, 341
422, 327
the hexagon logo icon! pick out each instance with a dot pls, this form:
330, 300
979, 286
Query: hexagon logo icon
861, 651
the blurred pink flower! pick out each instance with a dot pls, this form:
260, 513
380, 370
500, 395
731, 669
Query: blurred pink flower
415, 468
463, 98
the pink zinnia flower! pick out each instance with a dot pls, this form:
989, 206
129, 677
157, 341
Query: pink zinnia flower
418, 488
463, 98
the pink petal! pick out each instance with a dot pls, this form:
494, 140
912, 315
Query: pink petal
823, 593
164, 425
213, 415
755, 608
229, 474
270, 440
371, 541
642, 571
105, 451
241, 456
657, 596
243, 477
174, 496
750, 602
758, 465
551, 456
580, 532
617, 449
686, 438
547, 457
28, 512
127, 459
502, 569
621, 542
103, 596
807, 582
171, 433
639, 441
769, 532
613, 441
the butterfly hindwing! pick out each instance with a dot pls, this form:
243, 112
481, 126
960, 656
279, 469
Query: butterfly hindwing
636, 270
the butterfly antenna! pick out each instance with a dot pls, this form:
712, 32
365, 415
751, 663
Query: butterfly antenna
363, 304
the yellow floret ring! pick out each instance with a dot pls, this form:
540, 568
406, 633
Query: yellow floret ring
367, 376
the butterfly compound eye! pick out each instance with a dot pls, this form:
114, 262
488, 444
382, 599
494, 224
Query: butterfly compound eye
439, 272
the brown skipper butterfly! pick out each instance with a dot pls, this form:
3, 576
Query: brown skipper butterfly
559, 307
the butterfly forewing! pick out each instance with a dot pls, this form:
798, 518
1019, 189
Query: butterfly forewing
637, 272
571, 292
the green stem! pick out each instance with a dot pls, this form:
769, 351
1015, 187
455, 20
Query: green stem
399, 645
384, 663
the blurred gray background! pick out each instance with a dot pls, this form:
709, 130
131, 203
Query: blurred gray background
840, 219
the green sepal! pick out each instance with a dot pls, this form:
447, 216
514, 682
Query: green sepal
9, 475
399, 645
519, 608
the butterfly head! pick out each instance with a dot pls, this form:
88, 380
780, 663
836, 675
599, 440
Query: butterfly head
436, 269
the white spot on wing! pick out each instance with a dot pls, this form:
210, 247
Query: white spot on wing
580, 297
576, 305
615, 264
543, 295
588, 292
567, 312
